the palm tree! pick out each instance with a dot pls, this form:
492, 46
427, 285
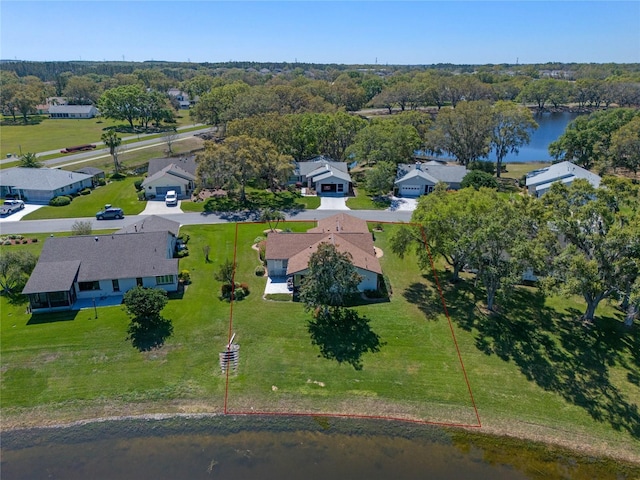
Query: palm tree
29, 160
113, 141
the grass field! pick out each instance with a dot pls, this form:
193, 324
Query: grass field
535, 372
119, 193
52, 134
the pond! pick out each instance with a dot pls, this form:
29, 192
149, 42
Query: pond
283, 448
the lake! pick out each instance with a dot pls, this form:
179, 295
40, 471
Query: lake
282, 448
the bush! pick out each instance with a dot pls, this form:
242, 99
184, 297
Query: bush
478, 179
85, 191
262, 249
483, 166
141, 195
185, 277
34, 240
138, 184
260, 271
239, 292
245, 287
7, 242
184, 238
101, 182
60, 201
182, 253
118, 176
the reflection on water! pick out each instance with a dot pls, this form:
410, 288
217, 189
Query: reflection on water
280, 448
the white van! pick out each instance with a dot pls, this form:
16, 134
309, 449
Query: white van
171, 198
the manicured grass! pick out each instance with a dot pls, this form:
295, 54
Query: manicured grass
55, 134
534, 370
517, 170
363, 201
256, 200
119, 193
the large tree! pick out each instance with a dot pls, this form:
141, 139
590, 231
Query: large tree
384, 140
15, 268
599, 228
147, 329
122, 103
512, 127
82, 91
330, 280
379, 179
464, 132
625, 146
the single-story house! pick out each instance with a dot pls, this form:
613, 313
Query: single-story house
73, 111
96, 174
415, 179
72, 271
326, 177
181, 97
288, 254
166, 174
39, 185
539, 181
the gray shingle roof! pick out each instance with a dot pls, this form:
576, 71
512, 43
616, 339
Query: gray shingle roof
52, 277
102, 257
71, 108
46, 179
90, 171
441, 173
152, 223
305, 168
188, 164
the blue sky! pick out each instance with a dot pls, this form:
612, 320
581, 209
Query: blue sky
349, 32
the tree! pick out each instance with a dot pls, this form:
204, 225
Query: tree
25, 99
147, 329
331, 279
170, 136
600, 231
384, 140
82, 91
113, 141
82, 227
214, 106
379, 179
625, 146
464, 132
15, 268
225, 273
272, 217
122, 103
512, 127
30, 160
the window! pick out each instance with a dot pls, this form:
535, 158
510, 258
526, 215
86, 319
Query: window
139, 281
164, 280
88, 286
116, 285
341, 187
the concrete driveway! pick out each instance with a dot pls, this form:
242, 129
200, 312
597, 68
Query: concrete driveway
158, 207
333, 203
403, 204
14, 217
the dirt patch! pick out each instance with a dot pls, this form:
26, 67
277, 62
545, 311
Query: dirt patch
379, 252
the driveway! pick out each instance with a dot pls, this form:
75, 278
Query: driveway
14, 217
403, 204
276, 285
333, 203
158, 207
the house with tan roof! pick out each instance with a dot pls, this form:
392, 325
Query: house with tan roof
288, 254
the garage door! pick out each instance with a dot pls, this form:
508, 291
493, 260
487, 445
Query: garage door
411, 190
162, 191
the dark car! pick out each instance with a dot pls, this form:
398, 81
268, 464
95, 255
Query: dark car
109, 213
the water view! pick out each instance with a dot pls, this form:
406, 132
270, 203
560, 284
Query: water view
261, 448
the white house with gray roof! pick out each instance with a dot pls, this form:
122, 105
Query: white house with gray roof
326, 177
39, 185
76, 271
172, 173
415, 179
539, 181
73, 111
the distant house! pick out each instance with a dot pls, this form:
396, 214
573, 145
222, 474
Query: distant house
288, 254
74, 272
539, 181
96, 174
73, 111
39, 185
166, 174
181, 97
326, 177
415, 179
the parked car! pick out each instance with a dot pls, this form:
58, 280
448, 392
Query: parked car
11, 206
171, 198
109, 213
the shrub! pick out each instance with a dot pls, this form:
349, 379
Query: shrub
101, 182
262, 249
260, 271
184, 238
185, 277
85, 191
7, 242
25, 241
138, 184
478, 179
60, 201
245, 287
484, 166
34, 240
141, 195
182, 253
118, 176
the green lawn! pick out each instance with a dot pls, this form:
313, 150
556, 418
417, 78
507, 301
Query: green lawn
119, 193
256, 199
533, 369
55, 134
364, 201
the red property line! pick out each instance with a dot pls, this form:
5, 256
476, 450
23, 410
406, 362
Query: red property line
341, 415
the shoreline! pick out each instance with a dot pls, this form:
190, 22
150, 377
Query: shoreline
536, 435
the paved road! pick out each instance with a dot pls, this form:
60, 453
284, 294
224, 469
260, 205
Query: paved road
66, 224
81, 157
